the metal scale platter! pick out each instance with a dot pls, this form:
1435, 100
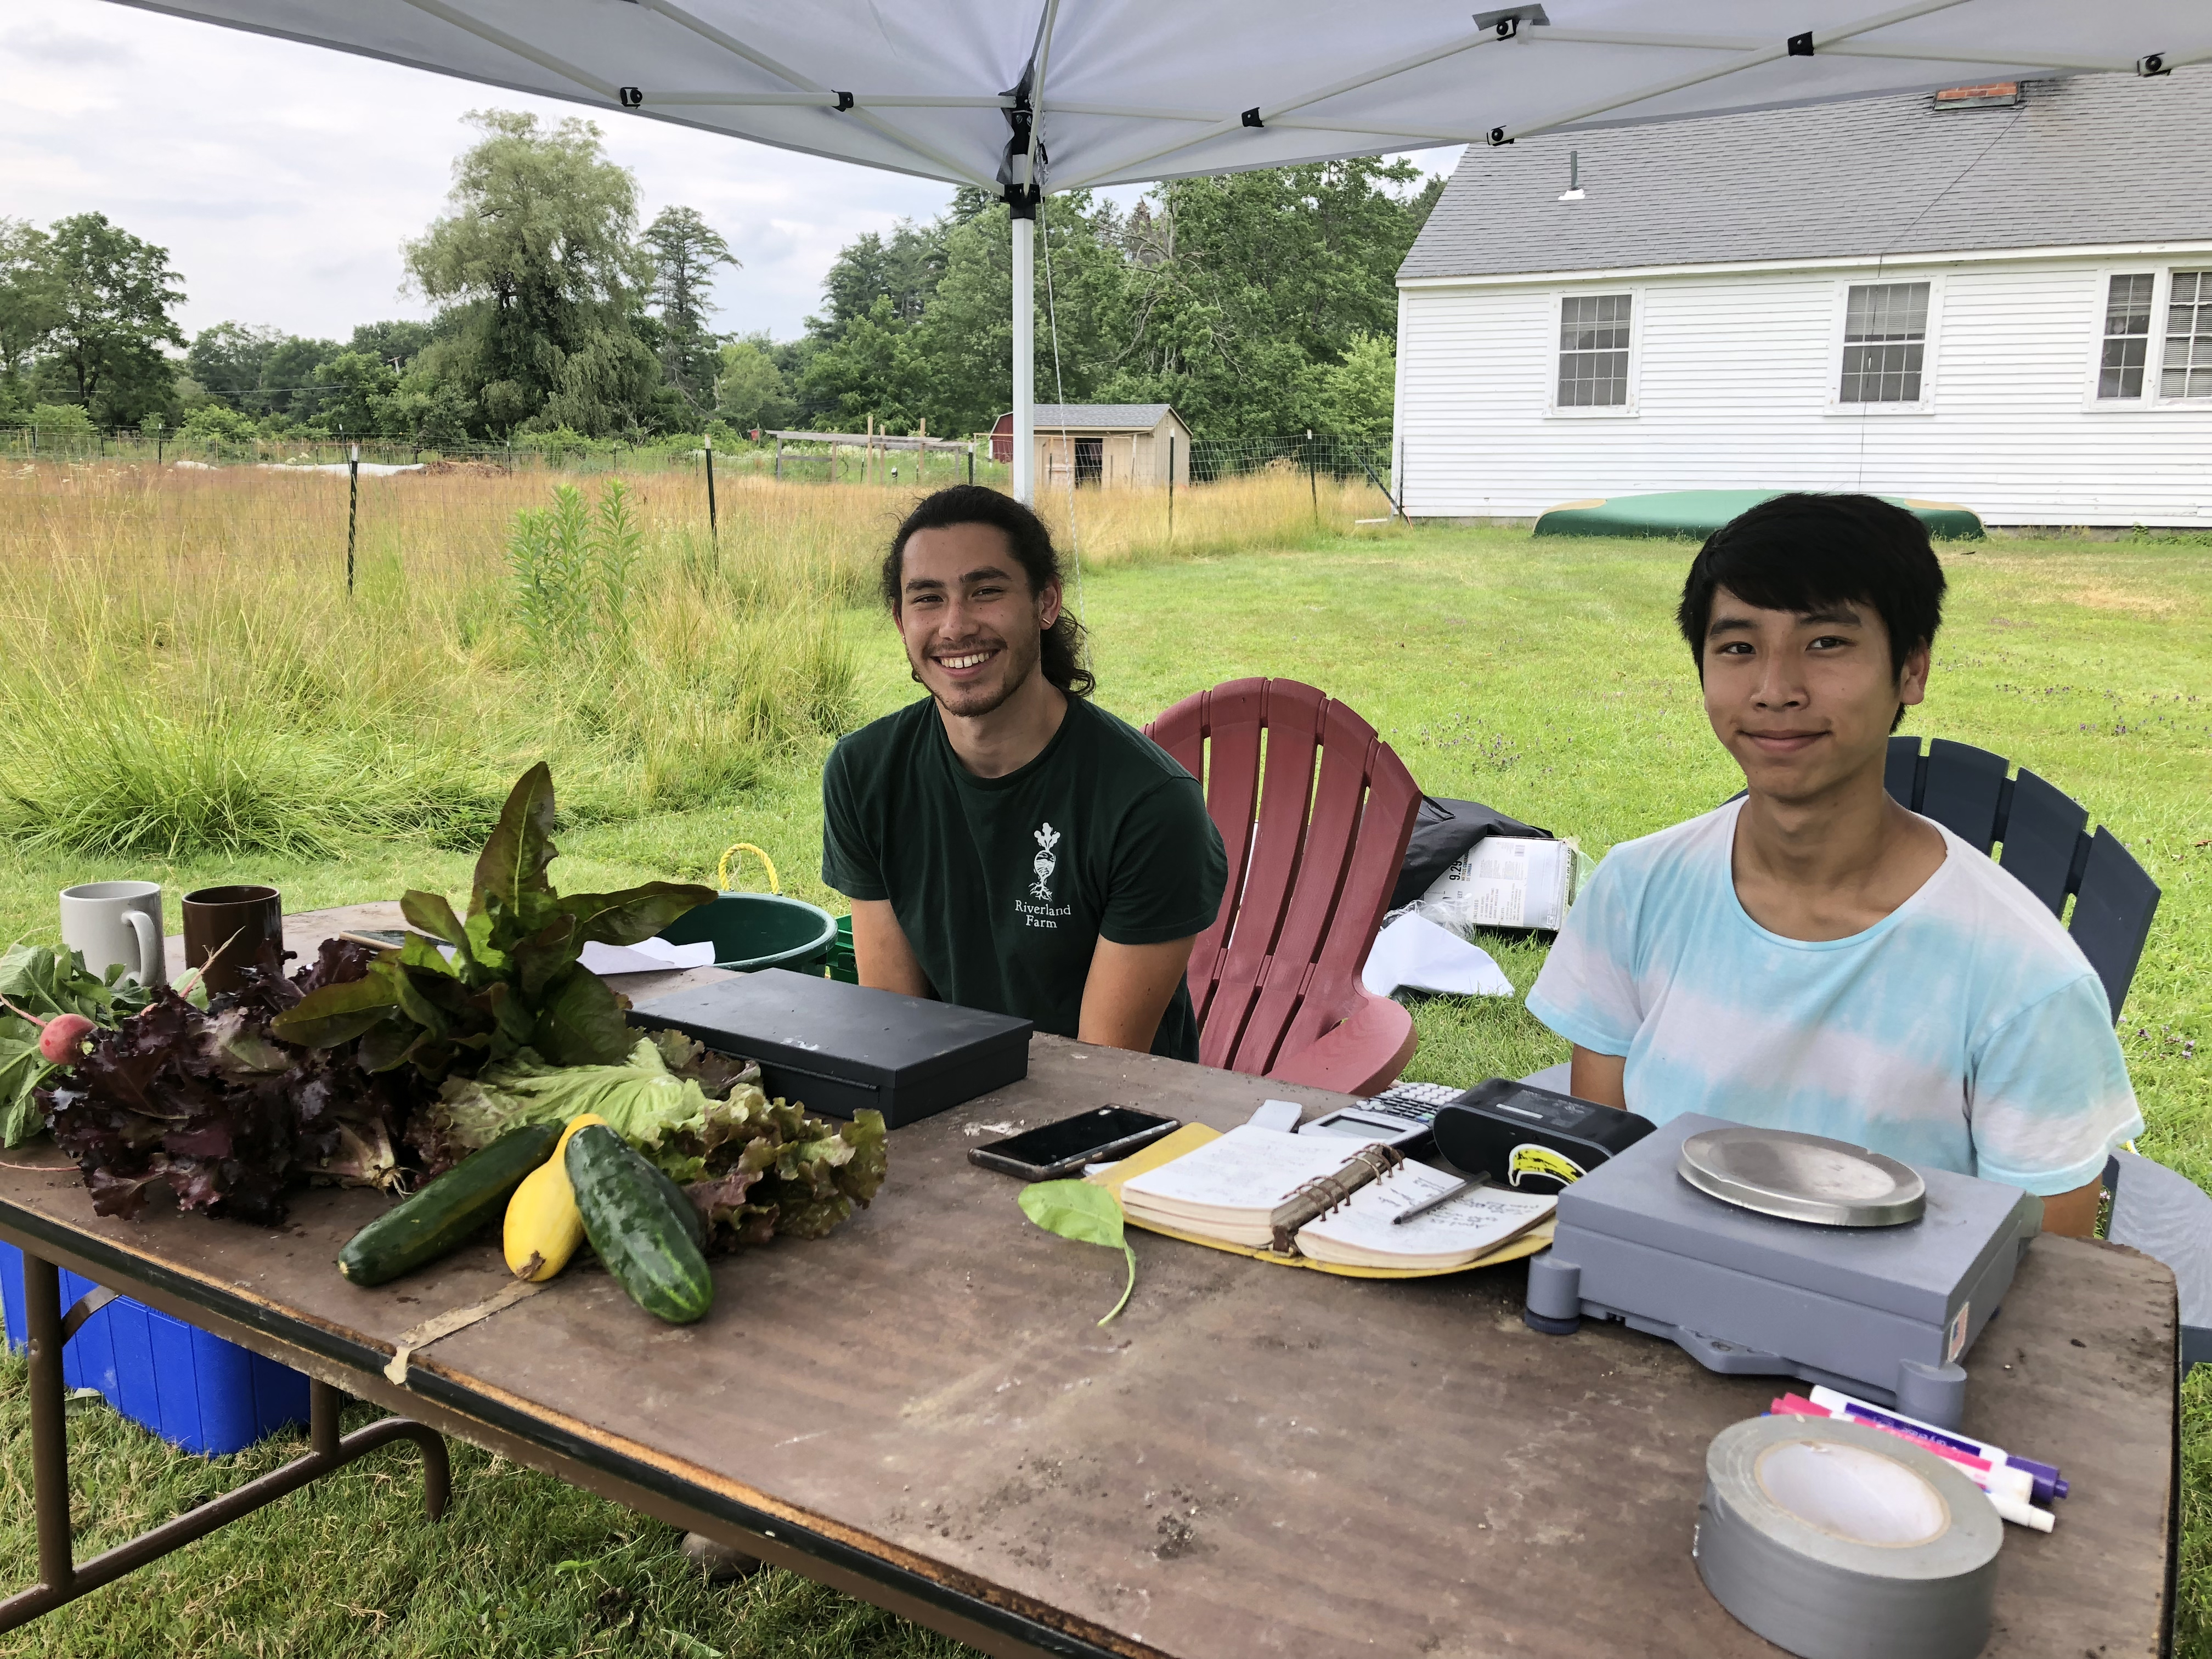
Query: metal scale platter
1765, 1252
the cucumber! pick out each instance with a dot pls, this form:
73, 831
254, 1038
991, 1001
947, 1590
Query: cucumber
687, 1212
637, 1230
443, 1215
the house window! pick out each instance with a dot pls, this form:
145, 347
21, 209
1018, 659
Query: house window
2186, 369
1885, 342
2127, 336
1593, 350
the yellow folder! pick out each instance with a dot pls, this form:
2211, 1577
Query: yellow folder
1192, 1136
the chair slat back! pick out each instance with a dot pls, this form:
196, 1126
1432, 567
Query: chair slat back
2041, 831
2112, 910
1310, 872
2046, 844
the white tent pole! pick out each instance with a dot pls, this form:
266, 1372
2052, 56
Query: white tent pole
1025, 455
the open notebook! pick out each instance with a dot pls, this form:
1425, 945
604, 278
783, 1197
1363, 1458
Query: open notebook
1241, 1187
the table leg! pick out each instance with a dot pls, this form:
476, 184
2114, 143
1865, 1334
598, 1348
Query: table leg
61, 1579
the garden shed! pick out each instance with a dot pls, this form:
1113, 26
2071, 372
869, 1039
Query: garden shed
1999, 296
1125, 444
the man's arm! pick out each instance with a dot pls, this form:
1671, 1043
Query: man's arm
1597, 1077
2073, 1215
1127, 991
881, 953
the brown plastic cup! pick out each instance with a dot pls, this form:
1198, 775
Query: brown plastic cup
237, 921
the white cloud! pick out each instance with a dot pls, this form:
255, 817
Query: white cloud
282, 178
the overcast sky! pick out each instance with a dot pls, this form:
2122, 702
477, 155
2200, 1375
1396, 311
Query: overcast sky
282, 178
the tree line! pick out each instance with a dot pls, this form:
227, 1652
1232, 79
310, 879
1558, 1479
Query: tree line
1259, 303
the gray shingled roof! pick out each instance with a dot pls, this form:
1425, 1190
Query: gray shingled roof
2091, 159
1146, 415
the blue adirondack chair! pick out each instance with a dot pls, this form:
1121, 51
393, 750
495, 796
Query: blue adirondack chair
2045, 841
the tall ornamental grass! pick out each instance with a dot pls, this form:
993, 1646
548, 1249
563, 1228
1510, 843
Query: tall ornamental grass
186, 673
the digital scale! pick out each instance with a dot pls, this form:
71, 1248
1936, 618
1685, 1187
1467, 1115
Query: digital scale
1767, 1253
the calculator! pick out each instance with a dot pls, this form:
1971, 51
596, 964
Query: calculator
1401, 1114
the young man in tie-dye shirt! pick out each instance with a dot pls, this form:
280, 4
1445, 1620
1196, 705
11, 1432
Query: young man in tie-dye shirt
1813, 956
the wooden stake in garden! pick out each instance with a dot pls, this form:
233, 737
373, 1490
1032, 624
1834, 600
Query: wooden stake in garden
1313, 475
713, 530
353, 508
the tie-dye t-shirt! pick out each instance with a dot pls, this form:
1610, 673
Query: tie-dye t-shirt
1965, 1031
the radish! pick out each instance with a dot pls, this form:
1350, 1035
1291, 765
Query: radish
61, 1039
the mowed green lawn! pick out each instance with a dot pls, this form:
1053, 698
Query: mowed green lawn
1541, 677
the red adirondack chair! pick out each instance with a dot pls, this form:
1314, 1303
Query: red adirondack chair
1275, 981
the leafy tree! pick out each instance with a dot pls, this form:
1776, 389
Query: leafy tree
877, 367
393, 342
751, 391
904, 271
289, 384
113, 293
29, 308
1354, 395
226, 359
538, 260
357, 386
685, 249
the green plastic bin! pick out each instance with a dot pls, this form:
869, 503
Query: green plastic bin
842, 963
751, 931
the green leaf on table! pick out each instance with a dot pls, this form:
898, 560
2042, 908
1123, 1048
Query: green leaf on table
23, 1069
339, 1013
580, 1024
431, 913
513, 861
1085, 1213
635, 914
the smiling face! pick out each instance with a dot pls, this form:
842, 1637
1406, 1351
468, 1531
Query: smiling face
972, 625
1803, 700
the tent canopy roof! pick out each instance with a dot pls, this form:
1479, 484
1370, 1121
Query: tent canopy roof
1875, 176
1130, 90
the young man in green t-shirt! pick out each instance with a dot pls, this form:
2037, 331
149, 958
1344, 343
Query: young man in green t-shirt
1006, 843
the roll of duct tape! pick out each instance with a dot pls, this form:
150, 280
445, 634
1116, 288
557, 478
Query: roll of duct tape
1838, 1542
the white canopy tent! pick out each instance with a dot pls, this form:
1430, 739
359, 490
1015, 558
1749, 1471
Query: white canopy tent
1058, 94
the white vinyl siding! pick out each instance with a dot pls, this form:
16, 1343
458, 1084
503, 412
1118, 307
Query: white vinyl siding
2126, 335
1885, 342
1735, 383
2185, 368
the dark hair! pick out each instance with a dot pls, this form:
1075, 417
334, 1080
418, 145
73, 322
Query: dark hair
1061, 649
1801, 552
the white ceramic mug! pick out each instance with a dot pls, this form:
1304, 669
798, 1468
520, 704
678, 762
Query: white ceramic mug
113, 921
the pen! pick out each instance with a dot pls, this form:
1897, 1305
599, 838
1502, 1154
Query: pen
1429, 1204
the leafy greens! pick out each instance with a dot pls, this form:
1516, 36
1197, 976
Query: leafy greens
210, 1102
48, 980
514, 981
752, 1167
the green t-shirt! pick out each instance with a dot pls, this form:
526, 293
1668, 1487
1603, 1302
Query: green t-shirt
1004, 886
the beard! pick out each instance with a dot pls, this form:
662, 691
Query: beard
1017, 661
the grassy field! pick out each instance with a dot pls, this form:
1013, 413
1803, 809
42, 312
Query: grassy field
1542, 677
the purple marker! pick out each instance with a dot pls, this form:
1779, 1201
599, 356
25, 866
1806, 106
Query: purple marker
2050, 1484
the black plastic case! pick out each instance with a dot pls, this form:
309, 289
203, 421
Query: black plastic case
844, 1048
1532, 1138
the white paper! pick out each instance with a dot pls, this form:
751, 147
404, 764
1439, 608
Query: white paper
1415, 952
1247, 1170
651, 955
1466, 1227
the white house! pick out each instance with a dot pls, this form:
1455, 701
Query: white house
2002, 299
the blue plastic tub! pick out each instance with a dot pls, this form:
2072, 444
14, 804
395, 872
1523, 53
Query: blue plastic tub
195, 1391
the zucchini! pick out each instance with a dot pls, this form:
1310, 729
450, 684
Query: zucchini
636, 1231
444, 1214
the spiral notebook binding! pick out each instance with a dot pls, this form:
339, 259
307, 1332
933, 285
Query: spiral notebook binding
1311, 1200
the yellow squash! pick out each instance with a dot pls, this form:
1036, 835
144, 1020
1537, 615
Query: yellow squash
543, 1225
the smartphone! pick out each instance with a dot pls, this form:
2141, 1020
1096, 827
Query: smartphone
1054, 1149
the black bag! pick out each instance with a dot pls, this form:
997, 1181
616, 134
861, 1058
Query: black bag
1443, 832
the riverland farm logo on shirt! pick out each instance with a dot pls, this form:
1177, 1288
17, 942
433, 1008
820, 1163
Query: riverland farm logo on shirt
1044, 913
1044, 863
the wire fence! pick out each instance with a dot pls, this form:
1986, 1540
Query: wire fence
1346, 459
